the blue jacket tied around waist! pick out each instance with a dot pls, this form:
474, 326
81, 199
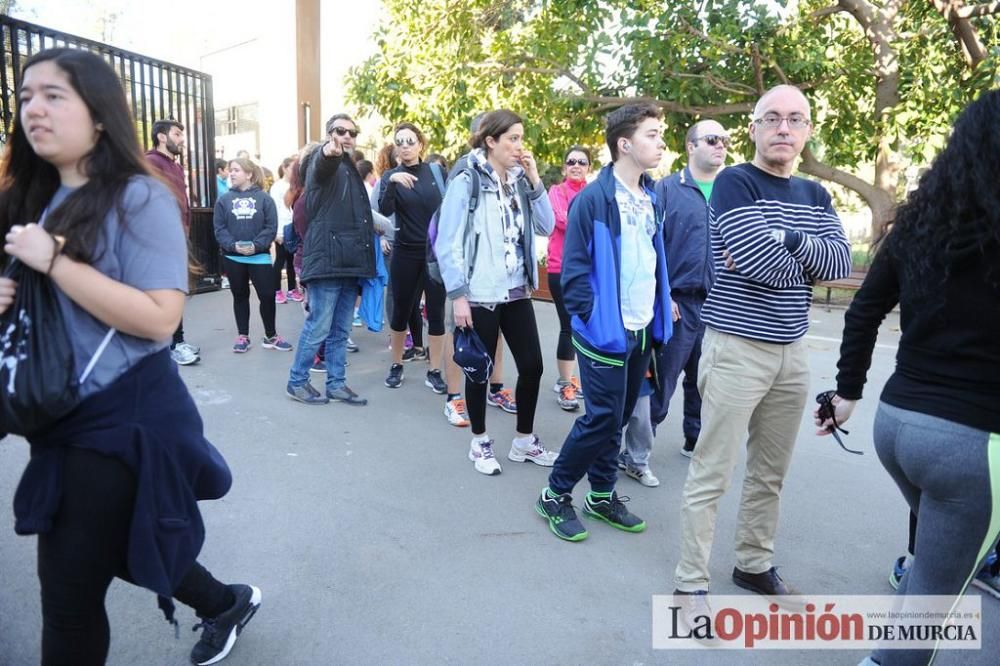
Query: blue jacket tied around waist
591, 269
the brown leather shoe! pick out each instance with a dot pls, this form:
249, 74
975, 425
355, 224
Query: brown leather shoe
768, 583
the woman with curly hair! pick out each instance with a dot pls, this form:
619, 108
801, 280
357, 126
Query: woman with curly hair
937, 429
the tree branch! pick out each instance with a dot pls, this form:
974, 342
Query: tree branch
607, 102
978, 10
961, 27
873, 196
826, 11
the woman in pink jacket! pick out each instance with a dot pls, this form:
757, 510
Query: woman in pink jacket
576, 166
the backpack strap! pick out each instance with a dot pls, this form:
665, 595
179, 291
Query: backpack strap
438, 177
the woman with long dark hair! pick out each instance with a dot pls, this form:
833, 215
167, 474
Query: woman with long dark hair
412, 193
937, 429
246, 223
488, 263
576, 166
111, 489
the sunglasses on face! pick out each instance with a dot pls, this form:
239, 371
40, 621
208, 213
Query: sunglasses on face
575, 162
343, 131
405, 142
714, 140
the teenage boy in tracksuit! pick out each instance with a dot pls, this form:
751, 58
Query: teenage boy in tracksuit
615, 286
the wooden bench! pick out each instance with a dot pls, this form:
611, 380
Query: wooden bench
852, 282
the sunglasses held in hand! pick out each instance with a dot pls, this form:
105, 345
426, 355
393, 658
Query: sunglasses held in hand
827, 410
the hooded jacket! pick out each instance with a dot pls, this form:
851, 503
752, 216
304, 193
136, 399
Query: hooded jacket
686, 235
471, 256
591, 272
248, 215
174, 174
340, 233
560, 196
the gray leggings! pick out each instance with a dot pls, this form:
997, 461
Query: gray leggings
944, 472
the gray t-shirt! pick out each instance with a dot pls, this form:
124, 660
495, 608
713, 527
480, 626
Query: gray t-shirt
148, 251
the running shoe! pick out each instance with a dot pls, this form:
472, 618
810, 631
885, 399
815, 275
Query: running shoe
306, 394
574, 380
183, 356
194, 349
280, 298
567, 398
224, 282
277, 343
484, 459
454, 411
612, 510
219, 633
899, 567
414, 354
643, 476
534, 452
559, 512
295, 296
435, 382
688, 449
352, 346
357, 323
319, 365
346, 396
395, 377
504, 399
242, 344
988, 578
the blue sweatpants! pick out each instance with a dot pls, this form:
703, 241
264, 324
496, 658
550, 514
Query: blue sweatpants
681, 354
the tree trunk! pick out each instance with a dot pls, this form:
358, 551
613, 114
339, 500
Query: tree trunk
881, 201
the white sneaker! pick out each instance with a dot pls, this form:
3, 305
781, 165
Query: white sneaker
643, 476
183, 356
454, 411
482, 456
224, 283
189, 347
534, 452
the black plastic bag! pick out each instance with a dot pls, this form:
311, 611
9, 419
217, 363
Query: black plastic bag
38, 383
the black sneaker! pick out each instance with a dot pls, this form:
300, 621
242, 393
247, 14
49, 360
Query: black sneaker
414, 354
219, 633
613, 512
346, 396
561, 516
435, 383
395, 377
688, 450
306, 393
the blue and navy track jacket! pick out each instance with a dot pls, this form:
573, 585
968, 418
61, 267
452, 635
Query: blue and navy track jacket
591, 272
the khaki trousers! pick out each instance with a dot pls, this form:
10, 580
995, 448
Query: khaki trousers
747, 387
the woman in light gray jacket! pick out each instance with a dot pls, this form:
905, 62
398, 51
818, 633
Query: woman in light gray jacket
487, 261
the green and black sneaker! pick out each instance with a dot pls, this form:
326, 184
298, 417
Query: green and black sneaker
558, 510
610, 508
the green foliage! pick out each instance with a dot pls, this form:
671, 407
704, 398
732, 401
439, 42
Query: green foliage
563, 64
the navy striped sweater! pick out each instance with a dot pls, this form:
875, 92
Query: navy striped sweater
767, 296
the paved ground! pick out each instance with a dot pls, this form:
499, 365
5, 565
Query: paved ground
375, 542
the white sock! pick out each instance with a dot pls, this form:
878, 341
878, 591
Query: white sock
524, 442
480, 439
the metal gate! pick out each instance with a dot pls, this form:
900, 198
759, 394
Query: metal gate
155, 90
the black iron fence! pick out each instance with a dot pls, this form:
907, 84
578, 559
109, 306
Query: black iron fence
155, 90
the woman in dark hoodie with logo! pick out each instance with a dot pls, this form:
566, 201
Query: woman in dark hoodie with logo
246, 222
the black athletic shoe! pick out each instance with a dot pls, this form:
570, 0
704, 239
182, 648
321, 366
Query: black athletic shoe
688, 450
395, 377
414, 354
613, 512
219, 633
435, 382
561, 516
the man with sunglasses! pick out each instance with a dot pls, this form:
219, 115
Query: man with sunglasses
689, 261
773, 236
337, 250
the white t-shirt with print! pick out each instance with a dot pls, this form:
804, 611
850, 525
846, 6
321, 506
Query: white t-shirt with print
638, 262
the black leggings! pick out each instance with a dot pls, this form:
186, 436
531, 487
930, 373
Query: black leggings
409, 278
262, 276
516, 320
564, 350
284, 260
86, 549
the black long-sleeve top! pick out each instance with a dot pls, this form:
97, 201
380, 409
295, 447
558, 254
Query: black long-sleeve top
948, 363
413, 208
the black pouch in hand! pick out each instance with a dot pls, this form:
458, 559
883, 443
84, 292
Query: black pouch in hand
38, 383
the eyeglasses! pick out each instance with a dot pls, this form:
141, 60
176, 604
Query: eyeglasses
796, 121
342, 131
714, 140
405, 142
575, 162
827, 410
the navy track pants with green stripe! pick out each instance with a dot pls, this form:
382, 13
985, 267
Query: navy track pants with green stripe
609, 394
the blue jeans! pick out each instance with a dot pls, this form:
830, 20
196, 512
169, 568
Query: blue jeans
681, 354
331, 310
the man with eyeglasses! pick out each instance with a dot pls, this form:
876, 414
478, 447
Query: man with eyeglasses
337, 250
773, 236
686, 195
